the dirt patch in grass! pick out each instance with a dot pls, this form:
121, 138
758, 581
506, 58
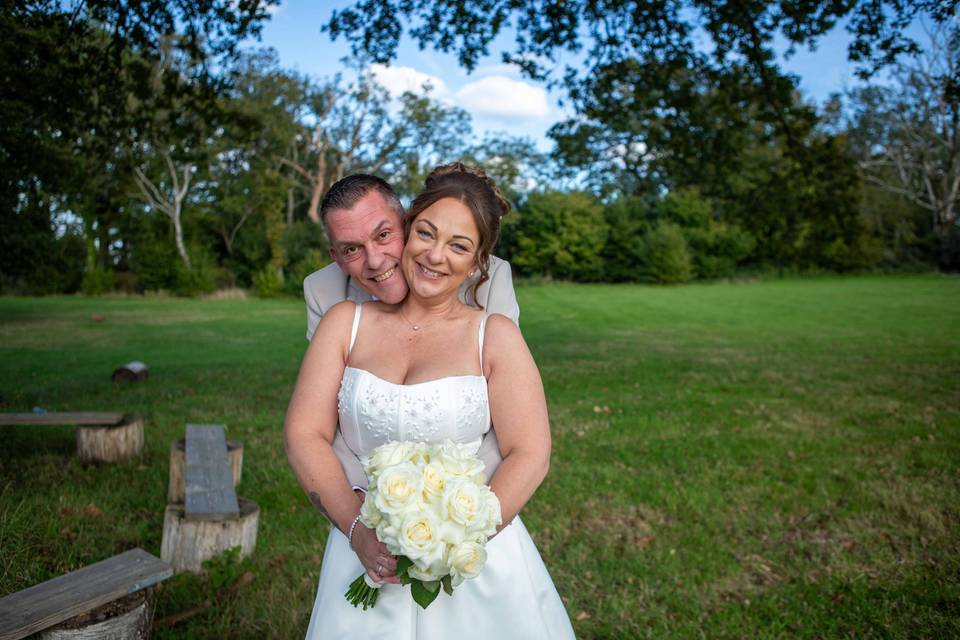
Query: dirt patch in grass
756, 574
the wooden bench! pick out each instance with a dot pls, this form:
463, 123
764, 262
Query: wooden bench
82, 591
101, 436
212, 519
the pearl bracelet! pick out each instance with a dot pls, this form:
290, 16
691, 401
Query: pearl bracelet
352, 527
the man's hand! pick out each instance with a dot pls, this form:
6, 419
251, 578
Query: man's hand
380, 564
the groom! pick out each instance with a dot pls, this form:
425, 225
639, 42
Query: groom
363, 219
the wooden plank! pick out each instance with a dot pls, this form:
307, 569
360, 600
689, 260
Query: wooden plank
50, 603
208, 481
85, 418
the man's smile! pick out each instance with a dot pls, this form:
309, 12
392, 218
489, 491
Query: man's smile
383, 276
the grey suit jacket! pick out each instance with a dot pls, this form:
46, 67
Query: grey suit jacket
324, 288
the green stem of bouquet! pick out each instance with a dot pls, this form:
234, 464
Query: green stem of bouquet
360, 593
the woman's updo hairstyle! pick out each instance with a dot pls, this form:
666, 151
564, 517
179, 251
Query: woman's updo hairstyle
471, 187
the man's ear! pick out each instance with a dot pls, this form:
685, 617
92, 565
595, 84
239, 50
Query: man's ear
333, 255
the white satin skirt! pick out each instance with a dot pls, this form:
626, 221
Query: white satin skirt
513, 597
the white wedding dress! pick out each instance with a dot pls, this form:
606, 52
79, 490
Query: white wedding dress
513, 597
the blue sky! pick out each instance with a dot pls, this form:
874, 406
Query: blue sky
497, 96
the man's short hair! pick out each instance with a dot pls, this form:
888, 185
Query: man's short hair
347, 192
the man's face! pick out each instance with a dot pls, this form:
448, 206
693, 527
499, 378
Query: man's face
366, 242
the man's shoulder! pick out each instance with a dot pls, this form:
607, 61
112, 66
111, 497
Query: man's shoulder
495, 263
325, 277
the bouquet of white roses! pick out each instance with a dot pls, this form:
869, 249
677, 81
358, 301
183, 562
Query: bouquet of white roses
430, 506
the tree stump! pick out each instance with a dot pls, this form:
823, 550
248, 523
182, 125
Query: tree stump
131, 372
111, 443
128, 618
175, 488
187, 543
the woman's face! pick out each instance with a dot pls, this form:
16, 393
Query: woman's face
441, 249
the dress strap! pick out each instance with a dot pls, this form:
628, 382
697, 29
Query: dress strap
483, 326
356, 325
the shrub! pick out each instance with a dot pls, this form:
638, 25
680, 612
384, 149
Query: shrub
622, 261
97, 281
562, 235
267, 282
199, 279
665, 255
313, 260
716, 247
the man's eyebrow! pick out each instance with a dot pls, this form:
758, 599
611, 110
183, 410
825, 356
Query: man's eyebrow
434, 227
379, 227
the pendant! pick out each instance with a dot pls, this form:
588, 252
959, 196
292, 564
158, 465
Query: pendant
416, 327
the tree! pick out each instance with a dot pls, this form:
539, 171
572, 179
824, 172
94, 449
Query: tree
356, 129
73, 72
907, 132
561, 235
611, 31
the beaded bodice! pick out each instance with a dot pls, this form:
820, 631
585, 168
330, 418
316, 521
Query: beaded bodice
374, 411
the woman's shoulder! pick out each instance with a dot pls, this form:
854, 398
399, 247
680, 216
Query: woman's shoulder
341, 310
337, 316
501, 329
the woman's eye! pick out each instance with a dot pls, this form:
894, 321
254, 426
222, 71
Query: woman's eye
459, 247
424, 234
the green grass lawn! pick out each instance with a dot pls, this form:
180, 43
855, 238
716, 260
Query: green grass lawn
763, 460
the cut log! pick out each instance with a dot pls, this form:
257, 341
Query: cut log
123, 619
175, 488
131, 372
188, 542
111, 443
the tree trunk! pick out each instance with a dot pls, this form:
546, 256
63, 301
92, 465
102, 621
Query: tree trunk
128, 618
187, 543
111, 443
178, 234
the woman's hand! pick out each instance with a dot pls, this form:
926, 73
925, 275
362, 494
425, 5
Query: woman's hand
380, 564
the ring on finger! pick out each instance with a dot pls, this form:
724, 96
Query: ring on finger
379, 570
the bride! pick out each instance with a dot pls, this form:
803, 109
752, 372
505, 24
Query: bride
428, 369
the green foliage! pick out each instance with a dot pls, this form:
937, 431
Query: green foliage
268, 282
544, 30
199, 278
97, 281
314, 260
665, 255
561, 234
225, 569
622, 259
716, 247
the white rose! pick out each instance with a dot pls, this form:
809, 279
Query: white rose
369, 514
388, 455
428, 572
494, 517
466, 560
419, 539
422, 453
464, 503
398, 488
458, 461
434, 481
388, 533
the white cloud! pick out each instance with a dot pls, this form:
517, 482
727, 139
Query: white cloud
501, 97
400, 79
